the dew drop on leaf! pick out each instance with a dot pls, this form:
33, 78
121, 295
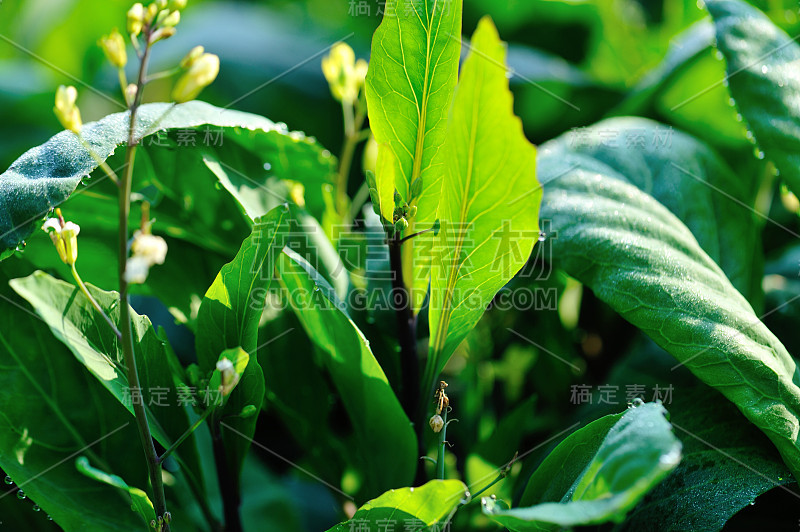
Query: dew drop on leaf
21, 494
36, 508
8, 480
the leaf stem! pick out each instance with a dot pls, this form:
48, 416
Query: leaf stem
185, 435
406, 330
94, 302
153, 464
228, 487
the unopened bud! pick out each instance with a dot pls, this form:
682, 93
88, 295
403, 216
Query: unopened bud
200, 75
161, 34
412, 211
66, 111
248, 411
152, 11
437, 423
162, 4
416, 188
148, 250
113, 46
136, 15
64, 236
345, 76
130, 93
177, 4
172, 20
193, 55
401, 225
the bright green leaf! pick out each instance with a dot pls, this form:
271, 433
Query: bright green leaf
384, 435
490, 200
413, 71
638, 451
428, 507
386, 170
140, 502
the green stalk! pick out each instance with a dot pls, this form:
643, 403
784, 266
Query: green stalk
352, 136
153, 464
185, 435
94, 303
442, 443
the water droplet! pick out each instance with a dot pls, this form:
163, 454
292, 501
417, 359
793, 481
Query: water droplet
725, 82
749, 136
718, 55
739, 117
49, 517
21, 494
637, 402
411, 490
731, 102
36, 508
542, 237
267, 167
759, 154
316, 289
764, 69
8, 480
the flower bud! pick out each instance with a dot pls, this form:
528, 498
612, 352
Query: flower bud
162, 34
113, 46
200, 75
161, 4
401, 225
437, 423
248, 411
130, 93
416, 188
177, 4
136, 16
192, 57
64, 236
172, 20
412, 211
370, 161
66, 111
229, 376
345, 76
152, 11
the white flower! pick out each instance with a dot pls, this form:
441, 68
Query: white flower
148, 250
229, 376
65, 238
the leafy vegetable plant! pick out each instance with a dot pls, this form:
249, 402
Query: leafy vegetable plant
290, 348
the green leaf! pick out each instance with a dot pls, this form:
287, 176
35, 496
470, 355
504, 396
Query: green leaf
140, 502
490, 200
229, 317
46, 175
727, 462
52, 408
638, 451
75, 322
386, 170
385, 439
412, 75
428, 507
641, 260
762, 75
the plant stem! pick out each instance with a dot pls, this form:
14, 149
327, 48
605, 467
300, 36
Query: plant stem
94, 303
352, 136
228, 487
442, 443
406, 330
153, 465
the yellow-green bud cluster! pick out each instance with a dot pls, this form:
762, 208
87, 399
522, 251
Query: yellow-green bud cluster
345, 75
66, 110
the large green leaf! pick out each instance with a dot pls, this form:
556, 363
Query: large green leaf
53, 410
727, 463
640, 259
412, 74
490, 200
762, 73
46, 175
229, 317
74, 321
638, 451
428, 507
384, 436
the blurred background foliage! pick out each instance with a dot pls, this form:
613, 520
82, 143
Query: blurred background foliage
576, 62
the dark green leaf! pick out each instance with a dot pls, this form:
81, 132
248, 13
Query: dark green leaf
384, 435
640, 259
762, 73
638, 451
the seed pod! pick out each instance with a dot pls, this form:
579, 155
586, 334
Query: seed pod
437, 423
